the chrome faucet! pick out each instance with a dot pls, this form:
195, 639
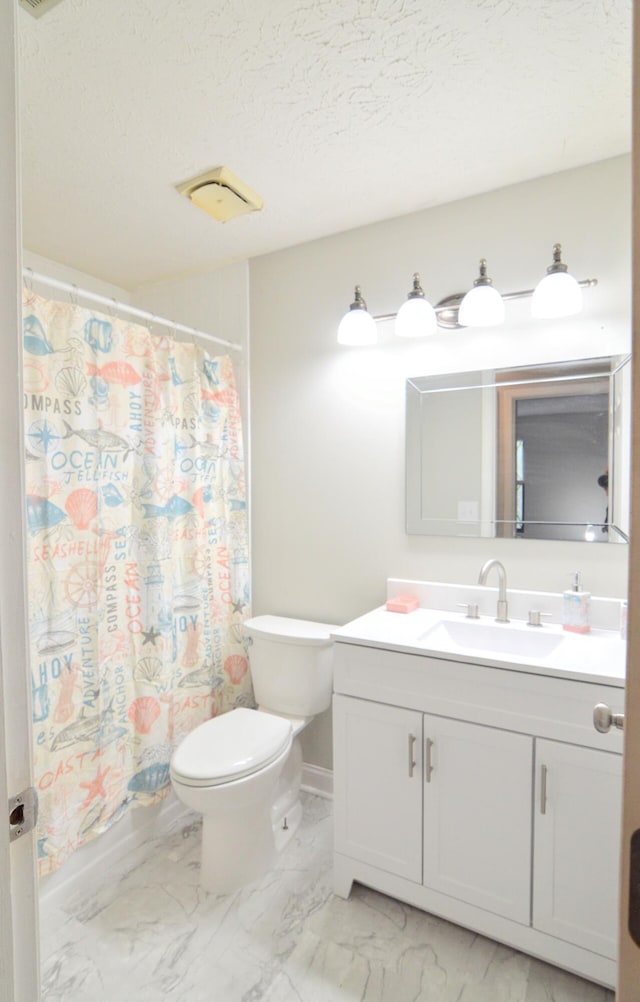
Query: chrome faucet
503, 607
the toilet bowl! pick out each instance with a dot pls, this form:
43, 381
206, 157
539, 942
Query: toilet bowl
242, 770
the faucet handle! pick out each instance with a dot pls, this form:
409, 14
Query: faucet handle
472, 609
535, 617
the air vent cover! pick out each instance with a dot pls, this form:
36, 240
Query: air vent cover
221, 194
38, 7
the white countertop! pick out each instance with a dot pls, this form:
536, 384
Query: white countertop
598, 656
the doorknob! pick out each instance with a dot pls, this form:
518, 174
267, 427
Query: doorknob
604, 718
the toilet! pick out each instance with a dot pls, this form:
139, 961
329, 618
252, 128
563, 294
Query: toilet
242, 770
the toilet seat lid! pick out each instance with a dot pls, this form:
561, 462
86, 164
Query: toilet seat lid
230, 746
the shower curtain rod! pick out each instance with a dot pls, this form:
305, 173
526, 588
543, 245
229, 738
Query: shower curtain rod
114, 304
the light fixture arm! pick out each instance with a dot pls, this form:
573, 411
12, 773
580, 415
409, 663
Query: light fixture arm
447, 309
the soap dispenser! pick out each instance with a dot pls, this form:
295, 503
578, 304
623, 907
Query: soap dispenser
576, 607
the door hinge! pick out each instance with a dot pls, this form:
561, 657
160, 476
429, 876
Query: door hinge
23, 813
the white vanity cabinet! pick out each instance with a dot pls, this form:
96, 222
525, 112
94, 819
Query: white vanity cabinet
477, 815
482, 795
577, 845
379, 785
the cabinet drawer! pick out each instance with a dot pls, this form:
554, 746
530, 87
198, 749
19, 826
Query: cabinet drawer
534, 704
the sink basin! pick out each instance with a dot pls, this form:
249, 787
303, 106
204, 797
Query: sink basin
500, 638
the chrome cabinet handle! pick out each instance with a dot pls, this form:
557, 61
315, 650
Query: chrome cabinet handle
604, 719
543, 789
412, 761
428, 765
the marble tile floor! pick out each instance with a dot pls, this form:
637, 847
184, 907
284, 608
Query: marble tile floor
150, 934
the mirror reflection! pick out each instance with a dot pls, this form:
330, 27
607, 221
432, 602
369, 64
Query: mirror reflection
539, 452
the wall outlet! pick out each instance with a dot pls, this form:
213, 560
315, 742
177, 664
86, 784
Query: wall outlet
468, 511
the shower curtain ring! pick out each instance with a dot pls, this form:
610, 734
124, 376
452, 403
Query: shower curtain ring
29, 281
114, 308
73, 295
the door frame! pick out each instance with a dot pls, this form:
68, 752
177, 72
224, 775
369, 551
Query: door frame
19, 959
629, 952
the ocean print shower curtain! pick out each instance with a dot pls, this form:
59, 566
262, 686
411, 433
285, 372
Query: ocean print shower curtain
137, 560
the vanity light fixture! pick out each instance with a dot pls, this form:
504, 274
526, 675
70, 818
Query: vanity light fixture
557, 294
416, 317
483, 306
357, 327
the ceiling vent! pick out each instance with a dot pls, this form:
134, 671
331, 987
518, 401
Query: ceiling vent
38, 7
221, 194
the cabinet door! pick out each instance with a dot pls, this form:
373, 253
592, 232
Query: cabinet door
477, 815
577, 845
377, 789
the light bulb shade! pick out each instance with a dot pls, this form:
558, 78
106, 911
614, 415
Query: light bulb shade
416, 318
483, 306
357, 328
556, 295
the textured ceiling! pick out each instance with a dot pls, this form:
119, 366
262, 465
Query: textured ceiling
338, 112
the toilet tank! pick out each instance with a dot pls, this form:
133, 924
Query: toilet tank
291, 664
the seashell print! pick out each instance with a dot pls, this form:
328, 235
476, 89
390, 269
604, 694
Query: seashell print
99, 334
144, 712
151, 779
236, 667
71, 381
149, 670
82, 506
56, 642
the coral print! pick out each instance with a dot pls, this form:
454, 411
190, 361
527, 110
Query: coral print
137, 561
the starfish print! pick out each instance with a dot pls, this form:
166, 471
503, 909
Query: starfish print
150, 636
238, 606
95, 787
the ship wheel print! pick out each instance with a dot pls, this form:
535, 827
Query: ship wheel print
201, 561
81, 584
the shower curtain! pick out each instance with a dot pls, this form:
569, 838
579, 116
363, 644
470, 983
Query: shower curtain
137, 560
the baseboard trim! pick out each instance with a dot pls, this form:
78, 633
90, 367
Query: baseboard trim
88, 864
317, 780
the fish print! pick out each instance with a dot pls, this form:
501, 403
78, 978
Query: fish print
83, 729
203, 676
210, 369
209, 449
175, 507
99, 334
56, 642
103, 441
34, 337
185, 603
201, 497
148, 780
42, 514
118, 373
111, 495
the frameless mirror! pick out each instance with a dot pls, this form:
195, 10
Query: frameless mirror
538, 452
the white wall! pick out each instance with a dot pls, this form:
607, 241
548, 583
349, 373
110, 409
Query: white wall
328, 422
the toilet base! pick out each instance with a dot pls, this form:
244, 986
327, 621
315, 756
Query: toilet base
242, 844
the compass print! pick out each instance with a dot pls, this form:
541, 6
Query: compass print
41, 435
